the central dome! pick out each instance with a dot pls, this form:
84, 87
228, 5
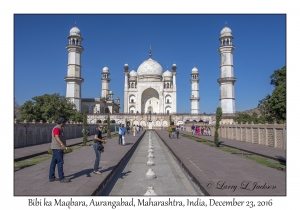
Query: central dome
150, 67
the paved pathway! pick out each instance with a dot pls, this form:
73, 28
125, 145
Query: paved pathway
170, 179
222, 173
78, 166
270, 152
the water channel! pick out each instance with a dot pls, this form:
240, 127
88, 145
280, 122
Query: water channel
130, 178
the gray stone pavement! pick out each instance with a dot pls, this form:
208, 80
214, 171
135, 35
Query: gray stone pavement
31, 151
170, 179
222, 173
78, 166
266, 151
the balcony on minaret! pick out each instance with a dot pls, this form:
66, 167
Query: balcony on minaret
227, 79
194, 98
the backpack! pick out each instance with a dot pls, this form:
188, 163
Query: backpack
170, 129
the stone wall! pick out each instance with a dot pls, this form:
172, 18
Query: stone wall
273, 135
29, 134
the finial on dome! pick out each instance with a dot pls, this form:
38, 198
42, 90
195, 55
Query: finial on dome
150, 54
75, 24
226, 24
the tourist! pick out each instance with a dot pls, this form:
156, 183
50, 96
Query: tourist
208, 130
120, 134
128, 129
193, 129
184, 128
58, 145
133, 130
123, 131
202, 131
137, 129
170, 131
98, 141
198, 131
88, 132
173, 131
177, 131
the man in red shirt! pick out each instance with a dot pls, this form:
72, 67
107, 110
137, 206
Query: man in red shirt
58, 145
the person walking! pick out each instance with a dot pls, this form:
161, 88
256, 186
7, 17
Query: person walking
133, 130
137, 129
98, 141
120, 134
128, 129
173, 131
193, 129
58, 145
123, 132
177, 131
208, 130
198, 131
170, 131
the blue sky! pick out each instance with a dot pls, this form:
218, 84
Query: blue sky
40, 56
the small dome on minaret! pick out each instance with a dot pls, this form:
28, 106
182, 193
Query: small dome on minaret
174, 67
105, 69
126, 67
226, 31
194, 70
75, 31
133, 73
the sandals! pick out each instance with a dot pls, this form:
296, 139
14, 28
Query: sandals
97, 172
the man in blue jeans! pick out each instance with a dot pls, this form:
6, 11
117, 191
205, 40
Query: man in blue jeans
120, 134
58, 145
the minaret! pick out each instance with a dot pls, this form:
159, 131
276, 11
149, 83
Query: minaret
195, 91
227, 79
73, 78
105, 82
174, 72
126, 89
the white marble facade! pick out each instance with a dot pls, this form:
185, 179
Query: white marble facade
149, 89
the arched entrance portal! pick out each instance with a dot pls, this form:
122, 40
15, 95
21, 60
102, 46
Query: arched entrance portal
150, 101
150, 109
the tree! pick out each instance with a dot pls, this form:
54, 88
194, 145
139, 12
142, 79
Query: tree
243, 118
50, 107
218, 119
84, 125
16, 110
273, 107
171, 122
108, 126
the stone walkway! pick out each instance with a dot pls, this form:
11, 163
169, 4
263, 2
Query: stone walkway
170, 179
78, 166
222, 173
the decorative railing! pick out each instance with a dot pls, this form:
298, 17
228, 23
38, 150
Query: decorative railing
226, 79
